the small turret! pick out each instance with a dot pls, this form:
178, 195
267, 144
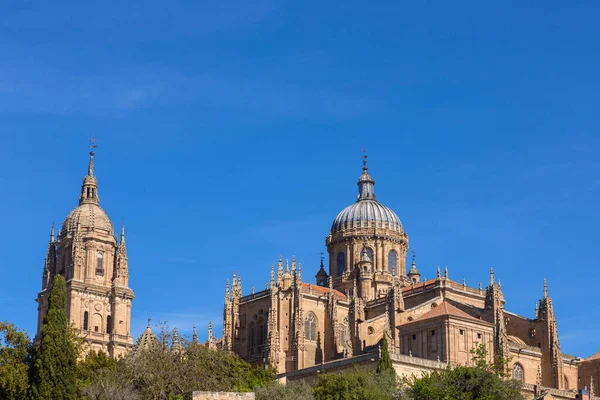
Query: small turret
365, 266
413, 274
322, 276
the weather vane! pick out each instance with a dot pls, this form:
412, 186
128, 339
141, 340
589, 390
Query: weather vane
93, 144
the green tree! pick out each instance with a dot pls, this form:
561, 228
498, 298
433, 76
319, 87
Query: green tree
94, 363
53, 370
480, 381
358, 384
14, 362
385, 361
163, 373
294, 390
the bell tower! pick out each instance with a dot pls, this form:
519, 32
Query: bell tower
95, 266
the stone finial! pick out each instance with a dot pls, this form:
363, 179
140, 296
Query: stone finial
545, 289
299, 273
293, 264
252, 290
537, 309
364, 255
280, 267
492, 277
227, 296
439, 274
122, 242
446, 272
272, 275
287, 266
52, 234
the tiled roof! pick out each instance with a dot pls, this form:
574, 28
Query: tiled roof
595, 356
321, 289
409, 288
448, 309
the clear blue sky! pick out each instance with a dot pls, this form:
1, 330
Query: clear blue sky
231, 132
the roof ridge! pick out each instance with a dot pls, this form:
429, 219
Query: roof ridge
445, 308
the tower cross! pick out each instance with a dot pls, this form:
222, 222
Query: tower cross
93, 144
365, 156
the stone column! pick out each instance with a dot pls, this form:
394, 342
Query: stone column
348, 258
385, 250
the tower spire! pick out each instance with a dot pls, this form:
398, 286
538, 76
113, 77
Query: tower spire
91, 163
89, 187
545, 289
52, 234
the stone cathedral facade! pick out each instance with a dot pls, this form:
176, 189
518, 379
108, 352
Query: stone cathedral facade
366, 291
94, 263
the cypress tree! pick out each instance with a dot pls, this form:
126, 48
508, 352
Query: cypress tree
385, 361
54, 364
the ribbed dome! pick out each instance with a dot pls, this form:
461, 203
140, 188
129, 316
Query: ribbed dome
88, 215
367, 212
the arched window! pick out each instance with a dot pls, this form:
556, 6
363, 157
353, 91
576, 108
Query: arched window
97, 322
566, 384
252, 336
262, 332
517, 372
310, 327
340, 263
86, 316
99, 266
108, 324
392, 262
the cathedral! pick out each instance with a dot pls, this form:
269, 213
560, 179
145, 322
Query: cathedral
303, 326
363, 293
94, 263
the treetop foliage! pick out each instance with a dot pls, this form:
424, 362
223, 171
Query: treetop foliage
53, 366
14, 362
